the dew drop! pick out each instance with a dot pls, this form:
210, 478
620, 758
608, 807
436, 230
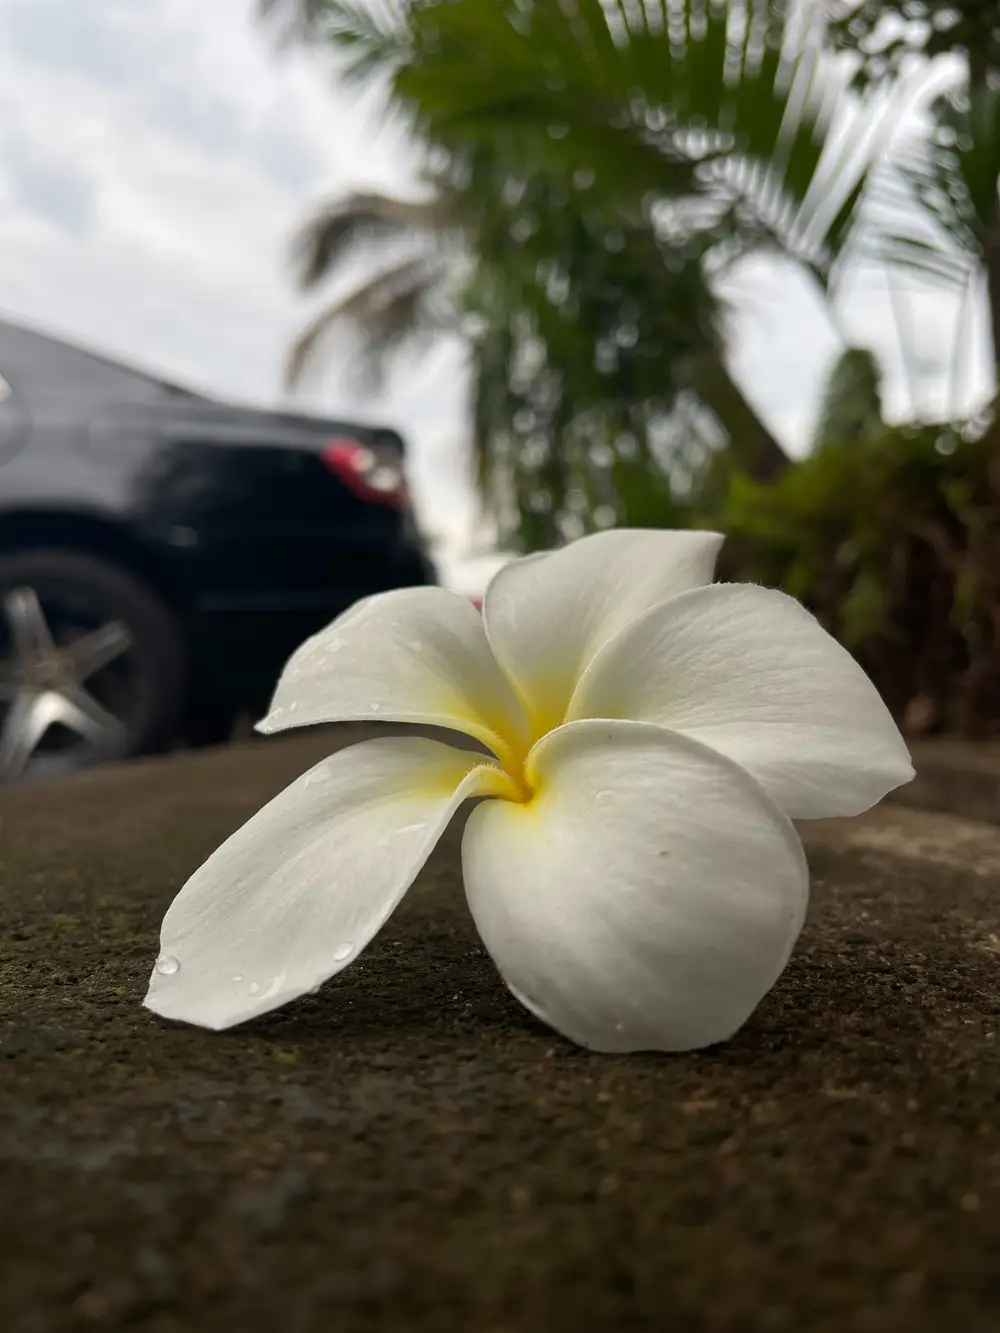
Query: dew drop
238, 976
167, 965
603, 797
374, 707
293, 706
254, 988
342, 951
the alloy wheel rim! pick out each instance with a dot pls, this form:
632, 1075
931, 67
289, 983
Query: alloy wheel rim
46, 683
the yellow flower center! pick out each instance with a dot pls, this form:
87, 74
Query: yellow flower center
515, 770
513, 753
516, 779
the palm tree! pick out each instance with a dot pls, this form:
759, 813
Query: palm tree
948, 183
413, 247
578, 331
576, 130
886, 33
955, 181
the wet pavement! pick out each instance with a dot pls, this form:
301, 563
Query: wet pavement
408, 1149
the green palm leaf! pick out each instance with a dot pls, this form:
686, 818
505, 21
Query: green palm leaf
595, 162
398, 308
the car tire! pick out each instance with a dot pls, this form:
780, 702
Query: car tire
142, 688
210, 721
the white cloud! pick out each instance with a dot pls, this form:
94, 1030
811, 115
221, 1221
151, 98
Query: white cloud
785, 340
154, 162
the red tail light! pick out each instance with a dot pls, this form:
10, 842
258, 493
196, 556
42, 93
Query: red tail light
370, 475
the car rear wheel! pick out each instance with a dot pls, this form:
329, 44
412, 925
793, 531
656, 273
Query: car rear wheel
92, 665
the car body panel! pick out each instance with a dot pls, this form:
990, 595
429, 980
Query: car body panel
259, 542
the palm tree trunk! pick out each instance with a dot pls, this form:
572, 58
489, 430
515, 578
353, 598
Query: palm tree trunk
991, 259
979, 75
752, 447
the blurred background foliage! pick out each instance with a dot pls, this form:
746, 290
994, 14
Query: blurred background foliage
591, 170
895, 545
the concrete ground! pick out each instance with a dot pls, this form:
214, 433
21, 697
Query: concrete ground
408, 1150
958, 776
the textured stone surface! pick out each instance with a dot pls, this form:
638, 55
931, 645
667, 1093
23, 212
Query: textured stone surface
959, 777
409, 1150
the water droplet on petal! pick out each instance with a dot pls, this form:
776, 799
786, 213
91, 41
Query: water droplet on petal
604, 797
374, 707
167, 965
293, 706
342, 951
238, 976
254, 988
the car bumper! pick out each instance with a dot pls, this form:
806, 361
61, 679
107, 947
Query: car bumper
241, 640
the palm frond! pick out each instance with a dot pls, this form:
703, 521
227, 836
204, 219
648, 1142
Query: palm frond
655, 101
353, 225
398, 307
976, 130
886, 34
935, 206
372, 35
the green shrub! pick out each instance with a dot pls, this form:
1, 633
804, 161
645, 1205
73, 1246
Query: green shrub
895, 545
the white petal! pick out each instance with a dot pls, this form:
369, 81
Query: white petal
297, 893
646, 898
412, 655
547, 615
750, 672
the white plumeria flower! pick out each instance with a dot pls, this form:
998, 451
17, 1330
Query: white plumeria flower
633, 869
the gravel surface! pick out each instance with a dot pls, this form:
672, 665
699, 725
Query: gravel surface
409, 1150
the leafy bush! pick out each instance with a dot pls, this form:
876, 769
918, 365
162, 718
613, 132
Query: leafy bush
895, 546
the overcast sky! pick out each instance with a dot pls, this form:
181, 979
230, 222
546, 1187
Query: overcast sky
154, 160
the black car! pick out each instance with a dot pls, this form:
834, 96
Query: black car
162, 553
